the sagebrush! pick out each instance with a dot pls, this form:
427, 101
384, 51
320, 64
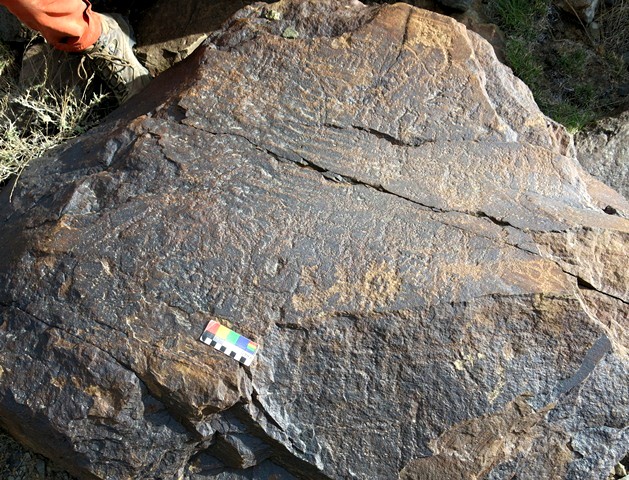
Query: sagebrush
36, 118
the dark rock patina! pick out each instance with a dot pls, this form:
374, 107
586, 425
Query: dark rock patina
170, 31
435, 284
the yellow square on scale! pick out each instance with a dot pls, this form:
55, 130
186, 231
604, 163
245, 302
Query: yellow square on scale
222, 332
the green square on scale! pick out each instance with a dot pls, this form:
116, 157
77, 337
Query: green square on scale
232, 337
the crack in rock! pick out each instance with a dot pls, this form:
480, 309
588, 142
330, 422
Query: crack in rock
386, 336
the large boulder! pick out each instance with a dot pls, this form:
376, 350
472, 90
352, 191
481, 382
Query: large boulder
434, 281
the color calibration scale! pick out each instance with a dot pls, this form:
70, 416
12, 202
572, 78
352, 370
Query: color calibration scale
229, 342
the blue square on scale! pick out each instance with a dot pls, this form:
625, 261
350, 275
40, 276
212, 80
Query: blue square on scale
242, 342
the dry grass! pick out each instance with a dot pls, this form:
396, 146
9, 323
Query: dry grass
614, 23
37, 118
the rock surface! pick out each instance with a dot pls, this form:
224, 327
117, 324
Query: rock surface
436, 288
585, 10
170, 31
603, 150
458, 5
11, 30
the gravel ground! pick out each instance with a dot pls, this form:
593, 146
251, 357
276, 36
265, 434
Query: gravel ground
19, 463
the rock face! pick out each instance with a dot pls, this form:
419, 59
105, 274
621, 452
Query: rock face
603, 150
435, 286
170, 31
11, 30
582, 9
458, 5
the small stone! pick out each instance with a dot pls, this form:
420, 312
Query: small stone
40, 466
610, 210
290, 32
270, 14
595, 30
620, 470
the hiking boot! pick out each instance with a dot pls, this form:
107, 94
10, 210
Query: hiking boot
114, 61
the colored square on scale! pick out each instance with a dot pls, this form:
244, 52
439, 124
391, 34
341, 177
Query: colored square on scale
229, 342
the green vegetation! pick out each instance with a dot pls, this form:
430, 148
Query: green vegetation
523, 61
522, 19
37, 118
570, 80
573, 62
573, 117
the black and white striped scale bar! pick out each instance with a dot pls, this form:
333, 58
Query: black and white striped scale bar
229, 342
